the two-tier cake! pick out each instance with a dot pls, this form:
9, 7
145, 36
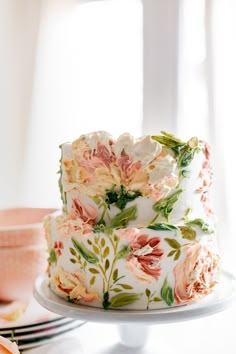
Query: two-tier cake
137, 230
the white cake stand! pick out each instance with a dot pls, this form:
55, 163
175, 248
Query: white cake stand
137, 334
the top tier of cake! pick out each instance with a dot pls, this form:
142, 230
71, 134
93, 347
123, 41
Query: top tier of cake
136, 182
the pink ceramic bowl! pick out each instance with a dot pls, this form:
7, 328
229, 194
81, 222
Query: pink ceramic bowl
23, 251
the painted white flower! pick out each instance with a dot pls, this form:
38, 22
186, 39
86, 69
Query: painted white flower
143, 149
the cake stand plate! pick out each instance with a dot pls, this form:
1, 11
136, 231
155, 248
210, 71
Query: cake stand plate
136, 335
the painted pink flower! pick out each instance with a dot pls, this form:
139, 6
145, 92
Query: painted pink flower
206, 178
84, 211
91, 153
103, 154
131, 173
8, 347
127, 165
72, 285
58, 247
147, 254
197, 275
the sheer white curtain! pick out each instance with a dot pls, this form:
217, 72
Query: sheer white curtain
206, 102
19, 22
88, 77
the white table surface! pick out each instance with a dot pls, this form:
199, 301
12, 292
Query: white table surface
215, 334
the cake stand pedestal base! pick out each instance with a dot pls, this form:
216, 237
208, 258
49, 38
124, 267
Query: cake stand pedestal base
133, 326
133, 336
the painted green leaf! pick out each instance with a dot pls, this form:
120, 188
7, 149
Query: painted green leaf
96, 249
186, 157
126, 286
156, 299
122, 218
126, 197
118, 279
97, 200
184, 151
169, 140
117, 290
121, 198
103, 242
165, 206
107, 264
173, 243
187, 212
115, 274
60, 172
103, 228
123, 252
171, 253
167, 293
188, 233
52, 256
93, 271
89, 242
69, 299
111, 197
163, 226
147, 292
106, 252
72, 251
106, 303
124, 299
185, 173
177, 255
92, 280
85, 253
72, 260
201, 223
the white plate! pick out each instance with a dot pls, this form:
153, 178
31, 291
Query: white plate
46, 339
218, 301
49, 333
35, 314
33, 330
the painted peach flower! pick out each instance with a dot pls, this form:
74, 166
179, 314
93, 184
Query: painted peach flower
145, 255
84, 211
12, 311
72, 285
8, 347
130, 234
197, 275
162, 174
94, 158
68, 225
131, 174
97, 163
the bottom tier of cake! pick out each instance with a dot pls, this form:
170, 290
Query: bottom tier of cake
130, 268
